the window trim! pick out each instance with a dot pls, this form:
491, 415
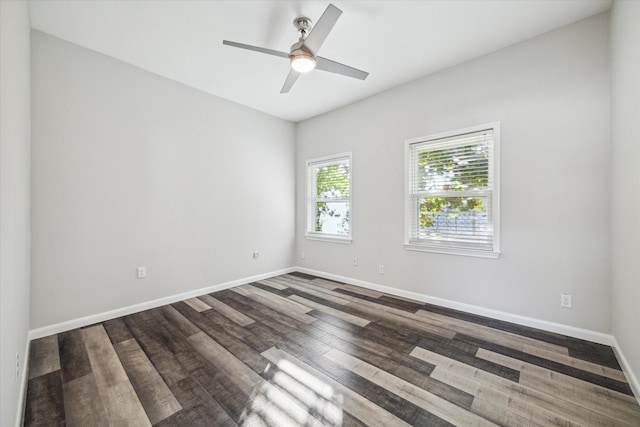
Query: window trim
327, 237
426, 247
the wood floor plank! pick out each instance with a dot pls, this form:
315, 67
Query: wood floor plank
395, 404
325, 407
177, 319
273, 284
200, 407
298, 315
74, 360
400, 369
234, 344
285, 326
232, 329
613, 404
593, 352
430, 402
590, 377
585, 350
311, 291
300, 275
276, 299
355, 404
522, 401
466, 353
227, 311
104, 361
240, 290
155, 396
347, 341
117, 330
305, 347
246, 379
121, 402
490, 334
226, 392
348, 287
398, 304
180, 418
197, 304
310, 281
228, 403
380, 311
164, 360
584, 365
45, 404
358, 321
45, 357
355, 339
82, 403
266, 401
123, 406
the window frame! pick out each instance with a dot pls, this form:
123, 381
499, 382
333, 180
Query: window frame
450, 248
311, 188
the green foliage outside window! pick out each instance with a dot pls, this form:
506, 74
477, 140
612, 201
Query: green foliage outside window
332, 182
463, 168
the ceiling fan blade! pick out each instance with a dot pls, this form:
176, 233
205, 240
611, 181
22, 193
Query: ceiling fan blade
321, 30
256, 48
325, 64
290, 80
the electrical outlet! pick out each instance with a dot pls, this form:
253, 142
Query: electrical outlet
381, 269
354, 261
142, 272
17, 374
256, 254
565, 300
302, 255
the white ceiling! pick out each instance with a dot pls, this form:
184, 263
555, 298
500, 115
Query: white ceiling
395, 41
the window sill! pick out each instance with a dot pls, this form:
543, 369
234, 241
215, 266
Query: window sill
328, 238
453, 251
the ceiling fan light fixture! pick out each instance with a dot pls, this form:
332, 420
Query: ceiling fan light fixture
302, 62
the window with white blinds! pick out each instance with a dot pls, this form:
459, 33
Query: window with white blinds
329, 198
452, 197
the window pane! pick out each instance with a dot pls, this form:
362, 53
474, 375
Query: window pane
459, 168
332, 181
332, 217
455, 219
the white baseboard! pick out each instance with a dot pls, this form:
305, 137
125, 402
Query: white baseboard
23, 384
107, 315
559, 328
626, 368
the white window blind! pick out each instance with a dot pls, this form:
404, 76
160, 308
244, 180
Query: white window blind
451, 192
329, 198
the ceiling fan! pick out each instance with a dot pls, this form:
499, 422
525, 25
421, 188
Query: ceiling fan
303, 53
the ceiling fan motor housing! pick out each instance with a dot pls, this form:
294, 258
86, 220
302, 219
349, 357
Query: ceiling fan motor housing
303, 25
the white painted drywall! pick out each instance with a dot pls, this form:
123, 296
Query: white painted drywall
551, 95
625, 203
15, 142
131, 169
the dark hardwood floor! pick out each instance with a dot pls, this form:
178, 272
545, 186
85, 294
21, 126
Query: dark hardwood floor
300, 350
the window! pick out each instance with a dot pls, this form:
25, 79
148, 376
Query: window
452, 196
329, 198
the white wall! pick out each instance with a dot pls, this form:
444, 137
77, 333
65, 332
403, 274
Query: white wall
625, 204
15, 135
551, 95
131, 169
